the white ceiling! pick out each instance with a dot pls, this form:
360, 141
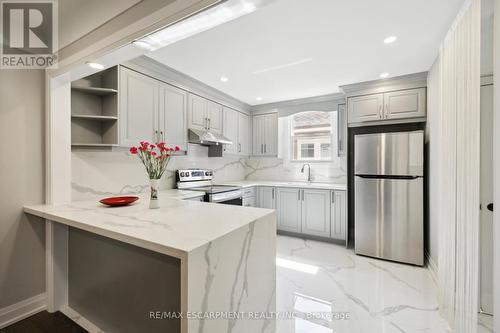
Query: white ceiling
294, 48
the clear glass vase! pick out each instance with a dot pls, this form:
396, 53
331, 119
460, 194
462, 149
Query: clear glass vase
154, 202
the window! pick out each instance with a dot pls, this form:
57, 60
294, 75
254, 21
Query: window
312, 134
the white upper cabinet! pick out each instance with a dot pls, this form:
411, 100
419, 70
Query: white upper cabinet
316, 212
214, 117
265, 134
231, 130
288, 204
402, 104
204, 114
197, 113
258, 135
173, 116
339, 215
365, 108
139, 107
151, 110
236, 127
405, 104
244, 130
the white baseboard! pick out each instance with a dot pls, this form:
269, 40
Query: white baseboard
16, 312
81, 320
432, 267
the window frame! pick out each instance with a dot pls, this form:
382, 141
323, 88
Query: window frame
333, 133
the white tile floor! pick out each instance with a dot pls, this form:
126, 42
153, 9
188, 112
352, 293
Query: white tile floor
378, 296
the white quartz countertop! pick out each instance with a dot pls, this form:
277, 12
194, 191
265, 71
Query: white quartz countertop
180, 194
176, 228
250, 183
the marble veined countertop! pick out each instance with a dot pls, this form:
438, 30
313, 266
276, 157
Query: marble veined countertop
250, 183
176, 228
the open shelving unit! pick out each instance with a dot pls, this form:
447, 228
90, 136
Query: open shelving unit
94, 110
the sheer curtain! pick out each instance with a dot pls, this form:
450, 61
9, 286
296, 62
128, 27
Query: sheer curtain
459, 77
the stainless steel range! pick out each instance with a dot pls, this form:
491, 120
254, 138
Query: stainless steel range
201, 180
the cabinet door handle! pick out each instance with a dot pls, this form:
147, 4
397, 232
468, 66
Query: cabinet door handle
156, 136
333, 197
261, 148
299, 195
209, 121
380, 111
239, 147
273, 192
265, 148
162, 136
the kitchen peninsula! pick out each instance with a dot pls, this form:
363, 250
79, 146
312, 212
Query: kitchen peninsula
130, 267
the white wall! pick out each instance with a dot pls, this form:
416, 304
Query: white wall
433, 157
22, 238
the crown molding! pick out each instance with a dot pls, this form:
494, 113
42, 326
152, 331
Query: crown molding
316, 103
410, 81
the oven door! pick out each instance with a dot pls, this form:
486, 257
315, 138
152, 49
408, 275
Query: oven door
228, 198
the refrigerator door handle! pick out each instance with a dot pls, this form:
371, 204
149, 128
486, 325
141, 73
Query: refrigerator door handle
388, 177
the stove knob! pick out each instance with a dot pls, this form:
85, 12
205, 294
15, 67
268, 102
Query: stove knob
207, 173
182, 174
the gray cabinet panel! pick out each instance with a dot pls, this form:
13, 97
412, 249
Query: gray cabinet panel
214, 116
339, 215
405, 104
266, 197
173, 116
231, 130
316, 212
139, 104
288, 204
244, 130
365, 108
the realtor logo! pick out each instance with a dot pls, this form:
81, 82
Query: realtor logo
28, 34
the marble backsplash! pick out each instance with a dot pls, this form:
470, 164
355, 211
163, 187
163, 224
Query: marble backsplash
103, 173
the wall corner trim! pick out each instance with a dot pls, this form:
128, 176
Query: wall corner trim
23, 309
432, 267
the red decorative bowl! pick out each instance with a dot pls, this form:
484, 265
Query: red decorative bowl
119, 201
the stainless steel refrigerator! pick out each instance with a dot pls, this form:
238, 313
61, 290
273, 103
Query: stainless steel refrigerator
389, 196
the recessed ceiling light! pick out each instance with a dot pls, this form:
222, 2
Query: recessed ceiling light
259, 98
384, 75
390, 39
143, 45
94, 65
224, 78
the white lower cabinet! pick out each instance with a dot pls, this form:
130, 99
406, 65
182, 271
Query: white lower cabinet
316, 212
249, 202
266, 197
249, 197
339, 215
288, 204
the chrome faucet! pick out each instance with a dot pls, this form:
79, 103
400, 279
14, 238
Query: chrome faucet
308, 173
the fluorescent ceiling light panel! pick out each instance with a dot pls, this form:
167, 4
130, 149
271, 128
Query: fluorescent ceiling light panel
94, 65
259, 98
282, 66
384, 75
200, 22
143, 45
297, 266
390, 39
224, 78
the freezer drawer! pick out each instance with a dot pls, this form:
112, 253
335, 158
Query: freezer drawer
389, 219
399, 153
